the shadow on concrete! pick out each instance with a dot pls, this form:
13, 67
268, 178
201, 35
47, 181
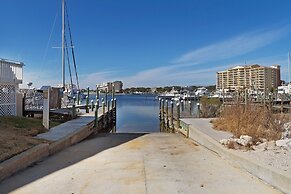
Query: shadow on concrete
69, 156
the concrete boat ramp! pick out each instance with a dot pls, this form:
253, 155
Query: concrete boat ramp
134, 163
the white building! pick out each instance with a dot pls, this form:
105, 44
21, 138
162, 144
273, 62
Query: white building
284, 89
11, 75
107, 86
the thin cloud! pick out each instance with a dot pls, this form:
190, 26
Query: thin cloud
233, 47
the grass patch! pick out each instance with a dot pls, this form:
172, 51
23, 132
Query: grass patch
17, 135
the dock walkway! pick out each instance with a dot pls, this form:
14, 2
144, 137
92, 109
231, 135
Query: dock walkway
67, 128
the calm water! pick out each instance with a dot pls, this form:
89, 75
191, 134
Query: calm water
136, 113
139, 113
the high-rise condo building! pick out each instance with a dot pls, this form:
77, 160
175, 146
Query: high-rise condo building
254, 77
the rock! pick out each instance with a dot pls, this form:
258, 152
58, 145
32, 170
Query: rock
271, 145
262, 146
245, 140
224, 141
284, 143
287, 126
263, 140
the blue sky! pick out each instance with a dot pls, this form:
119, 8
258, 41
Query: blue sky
146, 42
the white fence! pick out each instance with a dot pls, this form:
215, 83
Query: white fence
11, 74
7, 99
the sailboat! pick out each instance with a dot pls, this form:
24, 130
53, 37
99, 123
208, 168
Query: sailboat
70, 90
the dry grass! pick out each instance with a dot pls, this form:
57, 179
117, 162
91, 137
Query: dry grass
210, 107
257, 122
16, 135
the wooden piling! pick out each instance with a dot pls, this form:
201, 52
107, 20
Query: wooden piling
87, 104
167, 114
172, 117
178, 116
163, 110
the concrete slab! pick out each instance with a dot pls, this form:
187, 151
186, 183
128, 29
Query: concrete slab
65, 129
202, 124
134, 163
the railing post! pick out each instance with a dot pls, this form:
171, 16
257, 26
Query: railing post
23, 104
182, 105
97, 92
163, 110
113, 94
78, 97
103, 111
87, 104
160, 108
167, 113
172, 117
92, 105
106, 96
74, 99
178, 116
96, 113
190, 107
198, 110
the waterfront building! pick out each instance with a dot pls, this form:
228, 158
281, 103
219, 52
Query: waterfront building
255, 77
11, 75
118, 86
107, 86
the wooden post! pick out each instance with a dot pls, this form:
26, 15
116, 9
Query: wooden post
92, 105
112, 103
198, 110
78, 97
167, 113
23, 104
106, 96
87, 104
74, 100
178, 116
190, 107
163, 109
103, 111
113, 93
96, 113
182, 105
97, 92
172, 117
160, 109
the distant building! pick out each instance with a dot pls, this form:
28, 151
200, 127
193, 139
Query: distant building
254, 77
107, 86
11, 75
118, 85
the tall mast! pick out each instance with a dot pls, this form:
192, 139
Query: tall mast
288, 67
63, 43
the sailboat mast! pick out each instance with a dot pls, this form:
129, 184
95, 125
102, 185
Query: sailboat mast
288, 67
63, 43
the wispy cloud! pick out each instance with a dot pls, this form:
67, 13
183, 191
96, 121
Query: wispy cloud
235, 46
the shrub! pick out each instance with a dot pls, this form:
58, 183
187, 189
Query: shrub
210, 107
255, 121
